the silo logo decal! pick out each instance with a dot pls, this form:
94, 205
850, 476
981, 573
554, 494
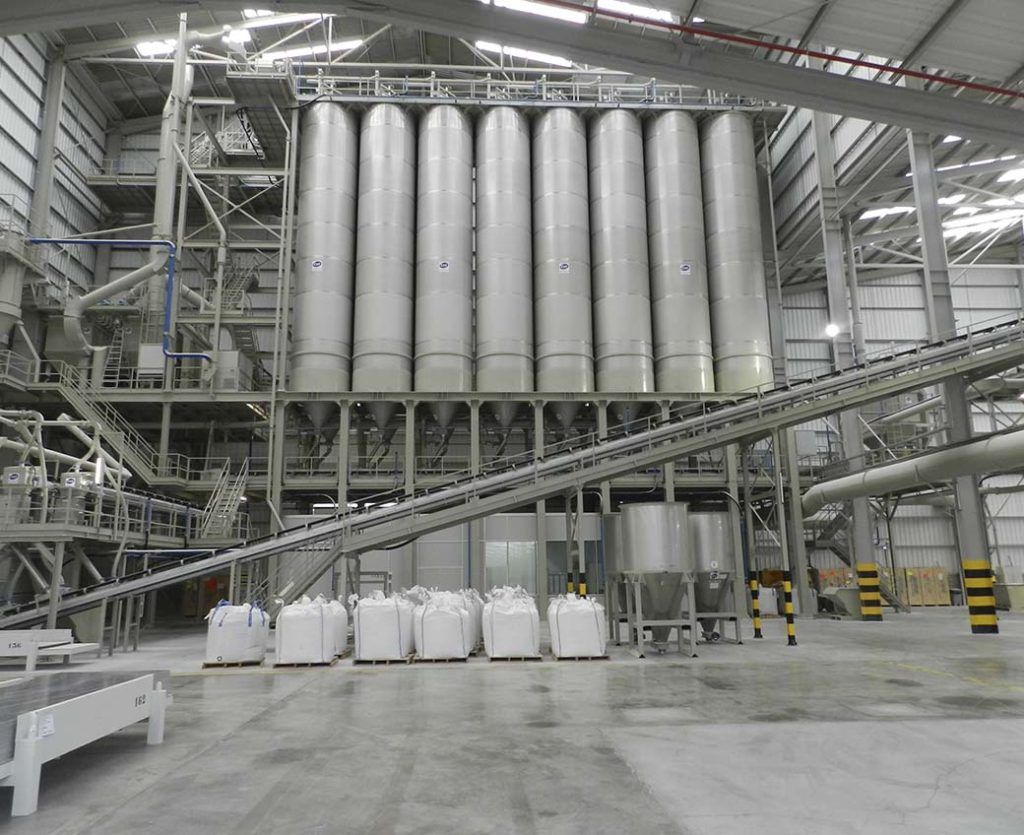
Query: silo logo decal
685, 268
444, 265
317, 265
563, 266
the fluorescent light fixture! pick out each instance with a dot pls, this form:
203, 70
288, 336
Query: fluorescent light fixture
832, 330
237, 36
325, 506
697, 20
542, 9
637, 11
885, 211
258, 18
307, 51
952, 138
1014, 175
525, 54
152, 49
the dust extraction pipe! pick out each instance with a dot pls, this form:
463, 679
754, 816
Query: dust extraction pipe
995, 453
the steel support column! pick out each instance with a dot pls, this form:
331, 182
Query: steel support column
972, 537
862, 547
53, 104
541, 563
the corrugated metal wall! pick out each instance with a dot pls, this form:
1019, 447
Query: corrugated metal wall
80, 141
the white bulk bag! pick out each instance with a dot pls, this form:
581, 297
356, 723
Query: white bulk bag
475, 606
305, 633
236, 634
382, 627
511, 624
339, 615
443, 627
578, 627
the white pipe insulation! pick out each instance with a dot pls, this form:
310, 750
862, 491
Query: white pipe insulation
996, 453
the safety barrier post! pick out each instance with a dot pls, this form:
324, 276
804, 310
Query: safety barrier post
870, 595
787, 594
755, 605
981, 601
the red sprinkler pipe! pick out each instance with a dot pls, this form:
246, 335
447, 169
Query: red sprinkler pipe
701, 32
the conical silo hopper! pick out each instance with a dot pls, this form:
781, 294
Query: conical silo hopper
655, 547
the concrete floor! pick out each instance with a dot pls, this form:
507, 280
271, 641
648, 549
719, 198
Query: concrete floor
909, 726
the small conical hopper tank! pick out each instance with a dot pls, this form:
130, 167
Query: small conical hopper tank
713, 558
656, 546
382, 412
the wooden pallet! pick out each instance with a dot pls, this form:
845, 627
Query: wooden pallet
517, 658
224, 664
580, 657
301, 665
384, 661
440, 660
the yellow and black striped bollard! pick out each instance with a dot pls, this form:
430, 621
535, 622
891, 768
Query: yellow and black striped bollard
981, 601
870, 596
583, 584
755, 605
787, 597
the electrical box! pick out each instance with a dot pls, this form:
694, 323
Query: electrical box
151, 360
23, 475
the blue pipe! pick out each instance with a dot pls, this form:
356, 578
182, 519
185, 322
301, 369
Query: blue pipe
129, 243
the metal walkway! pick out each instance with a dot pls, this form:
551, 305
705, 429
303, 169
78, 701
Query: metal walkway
520, 481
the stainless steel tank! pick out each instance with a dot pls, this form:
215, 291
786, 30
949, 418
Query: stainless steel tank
385, 240
683, 357
504, 258
321, 348
623, 352
656, 545
444, 256
561, 258
714, 560
611, 539
739, 307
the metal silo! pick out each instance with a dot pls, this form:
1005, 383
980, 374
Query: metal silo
561, 258
714, 561
623, 352
444, 256
739, 308
679, 273
321, 346
504, 257
382, 344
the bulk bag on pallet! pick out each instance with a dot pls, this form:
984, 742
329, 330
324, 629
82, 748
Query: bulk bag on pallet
339, 618
578, 627
305, 633
236, 634
443, 627
382, 627
511, 624
475, 606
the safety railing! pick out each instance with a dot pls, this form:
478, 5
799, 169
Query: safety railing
492, 85
16, 369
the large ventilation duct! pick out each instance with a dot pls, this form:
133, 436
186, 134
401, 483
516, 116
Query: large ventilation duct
623, 354
996, 453
679, 275
444, 257
561, 252
739, 308
325, 242
504, 263
12, 281
382, 341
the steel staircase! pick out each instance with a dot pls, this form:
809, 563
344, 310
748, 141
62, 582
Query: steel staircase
139, 455
222, 508
514, 482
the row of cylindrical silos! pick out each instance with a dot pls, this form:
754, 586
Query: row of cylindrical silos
629, 260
